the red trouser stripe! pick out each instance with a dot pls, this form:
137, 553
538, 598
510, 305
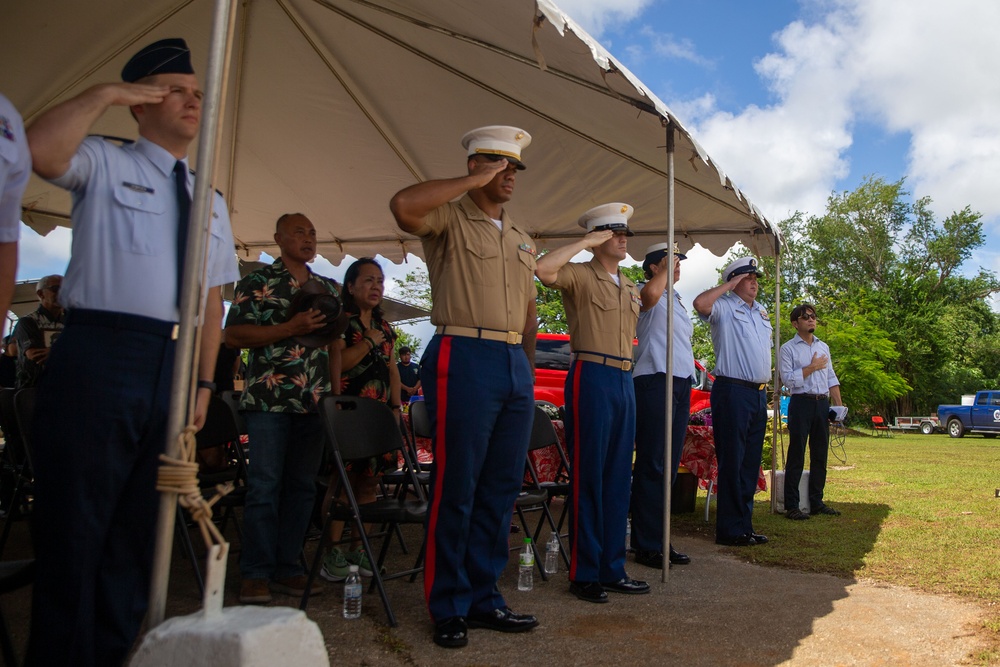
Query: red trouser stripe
574, 535
444, 356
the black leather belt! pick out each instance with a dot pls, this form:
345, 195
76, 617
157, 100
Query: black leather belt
759, 386
126, 321
812, 397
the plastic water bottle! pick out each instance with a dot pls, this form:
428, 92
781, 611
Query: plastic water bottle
352, 593
628, 535
524, 577
552, 555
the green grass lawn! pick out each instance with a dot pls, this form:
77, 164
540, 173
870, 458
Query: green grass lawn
918, 511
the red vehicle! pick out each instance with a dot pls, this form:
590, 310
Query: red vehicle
552, 359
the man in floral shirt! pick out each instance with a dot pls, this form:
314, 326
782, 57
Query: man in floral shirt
288, 374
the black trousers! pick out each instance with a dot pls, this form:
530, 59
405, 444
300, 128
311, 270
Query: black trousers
808, 419
98, 431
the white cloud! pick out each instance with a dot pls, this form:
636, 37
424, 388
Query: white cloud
669, 46
913, 67
42, 255
597, 15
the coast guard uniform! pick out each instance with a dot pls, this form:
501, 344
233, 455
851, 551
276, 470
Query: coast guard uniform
479, 392
742, 336
15, 170
650, 380
104, 399
600, 416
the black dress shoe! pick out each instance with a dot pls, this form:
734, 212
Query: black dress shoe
796, 515
451, 633
678, 558
628, 586
758, 538
503, 620
588, 591
826, 509
740, 541
649, 558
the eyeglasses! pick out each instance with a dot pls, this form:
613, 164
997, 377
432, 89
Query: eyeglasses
810, 316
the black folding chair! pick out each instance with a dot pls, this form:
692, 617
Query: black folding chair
360, 428
535, 496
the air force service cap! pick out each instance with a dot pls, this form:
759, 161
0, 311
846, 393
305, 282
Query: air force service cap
658, 251
167, 56
612, 216
497, 141
741, 266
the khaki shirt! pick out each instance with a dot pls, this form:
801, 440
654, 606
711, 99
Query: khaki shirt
601, 315
480, 277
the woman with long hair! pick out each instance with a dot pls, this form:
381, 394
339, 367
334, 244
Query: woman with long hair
369, 371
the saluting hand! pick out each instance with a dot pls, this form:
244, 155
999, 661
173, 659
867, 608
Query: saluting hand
129, 94
597, 237
306, 322
483, 171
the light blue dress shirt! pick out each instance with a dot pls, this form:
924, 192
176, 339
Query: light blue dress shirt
795, 355
742, 337
651, 330
15, 169
125, 231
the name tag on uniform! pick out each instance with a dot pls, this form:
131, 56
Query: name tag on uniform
135, 187
524, 247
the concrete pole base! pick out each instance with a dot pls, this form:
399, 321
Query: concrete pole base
238, 637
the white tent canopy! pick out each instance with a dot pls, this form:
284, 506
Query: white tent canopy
334, 105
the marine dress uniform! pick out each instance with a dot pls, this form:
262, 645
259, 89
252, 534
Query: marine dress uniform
105, 397
742, 337
649, 378
479, 392
602, 311
15, 170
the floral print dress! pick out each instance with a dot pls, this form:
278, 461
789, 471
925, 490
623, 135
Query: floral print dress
369, 378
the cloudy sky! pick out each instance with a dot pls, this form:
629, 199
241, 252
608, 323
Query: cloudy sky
799, 99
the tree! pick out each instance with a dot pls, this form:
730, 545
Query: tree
405, 339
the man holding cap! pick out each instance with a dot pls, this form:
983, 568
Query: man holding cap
481, 273
742, 337
807, 371
602, 307
650, 380
108, 382
290, 370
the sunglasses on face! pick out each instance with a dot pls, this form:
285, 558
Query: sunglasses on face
810, 316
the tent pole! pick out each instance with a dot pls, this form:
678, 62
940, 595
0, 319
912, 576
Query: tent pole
191, 298
668, 411
776, 395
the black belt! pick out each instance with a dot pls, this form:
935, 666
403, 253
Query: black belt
759, 386
812, 397
126, 321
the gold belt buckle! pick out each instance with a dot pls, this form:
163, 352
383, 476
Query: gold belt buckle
175, 331
761, 387
626, 365
512, 338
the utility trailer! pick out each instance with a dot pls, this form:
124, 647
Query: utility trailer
925, 425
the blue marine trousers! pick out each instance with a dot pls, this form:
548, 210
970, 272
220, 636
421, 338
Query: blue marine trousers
481, 405
600, 432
